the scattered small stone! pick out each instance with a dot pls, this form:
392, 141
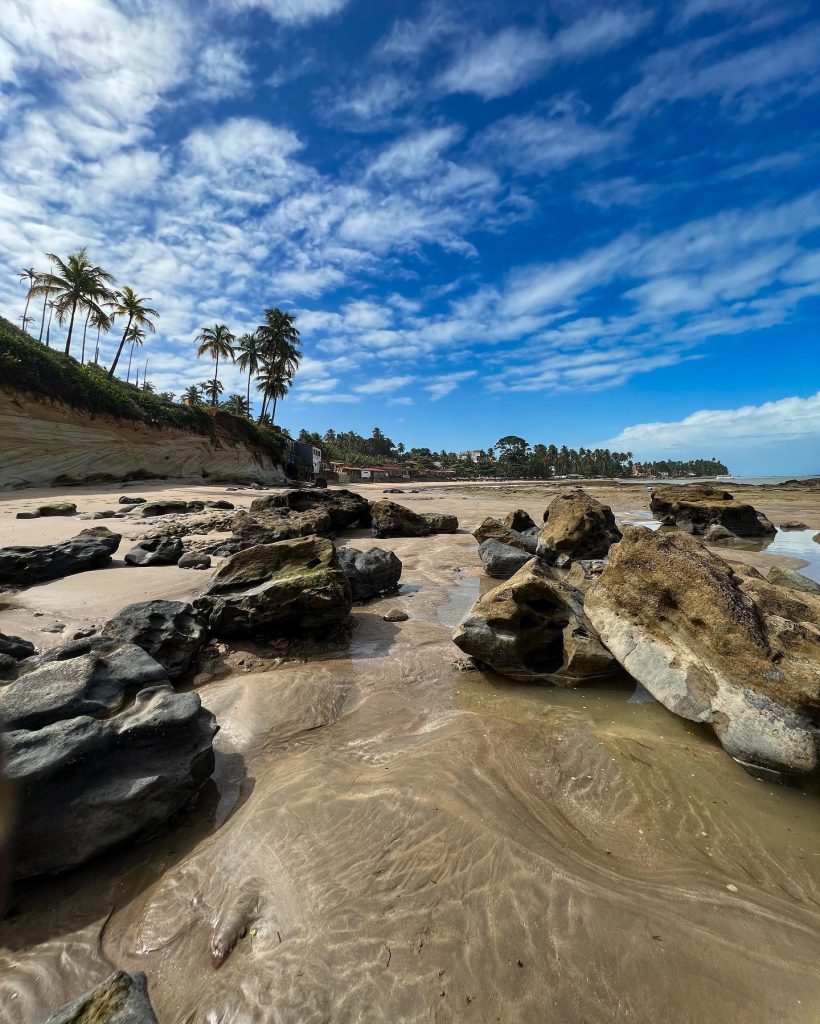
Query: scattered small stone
731, 888
395, 615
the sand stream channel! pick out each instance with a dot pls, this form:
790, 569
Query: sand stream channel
390, 838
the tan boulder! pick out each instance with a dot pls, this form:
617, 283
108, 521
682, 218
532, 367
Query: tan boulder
576, 526
694, 508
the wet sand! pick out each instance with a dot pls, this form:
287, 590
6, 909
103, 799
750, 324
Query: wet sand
389, 838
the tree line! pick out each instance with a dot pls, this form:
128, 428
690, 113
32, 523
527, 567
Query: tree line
76, 291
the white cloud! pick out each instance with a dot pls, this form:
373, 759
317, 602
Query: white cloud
498, 65
381, 385
293, 12
222, 71
530, 143
447, 383
408, 40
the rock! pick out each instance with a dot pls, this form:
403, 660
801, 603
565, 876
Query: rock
393, 520
120, 999
58, 508
167, 630
793, 524
519, 521
583, 573
501, 560
82, 634
344, 508
53, 626
127, 500
15, 647
693, 508
576, 525
716, 533
395, 615
714, 646
393, 490
156, 551
194, 560
90, 549
220, 504
167, 508
533, 629
370, 573
266, 526
794, 579
107, 514
293, 586
494, 529
28, 515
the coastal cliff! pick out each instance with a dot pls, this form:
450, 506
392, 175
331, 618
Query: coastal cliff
45, 441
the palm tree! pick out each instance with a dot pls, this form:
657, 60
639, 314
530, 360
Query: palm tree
31, 276
237, 405
136, 335
25, 321
274, 384
128, 303
102, 321
192, 395
212, 389
215, 341
48, 329
76, 282
279, 340
250, 359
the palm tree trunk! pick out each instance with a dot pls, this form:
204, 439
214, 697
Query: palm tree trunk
70, 327
43, 318
48, 331
273, 413
249, 392
25, 312
216, 378
130, 357
85, 331
119, 350
97, 349
264, 405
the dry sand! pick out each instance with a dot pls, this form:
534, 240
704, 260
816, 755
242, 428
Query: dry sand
391, 839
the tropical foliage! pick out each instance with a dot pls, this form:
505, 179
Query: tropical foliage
73, 284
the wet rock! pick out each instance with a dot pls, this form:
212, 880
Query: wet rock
576, 525
370, 573
393, 520
714, 646
15, 647
501, 560
168, 508
90, 549
793, 524
167, 630
58, 508
794, 579
520, 521
127, 500
395, 615
344, 508
494, 529
717, 534
156, 551
120, 999
693, 508
533, 629
194, 560
293, 586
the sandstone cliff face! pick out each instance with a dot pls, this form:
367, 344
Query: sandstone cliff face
43, 442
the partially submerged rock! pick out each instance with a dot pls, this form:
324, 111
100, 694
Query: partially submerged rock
795, 580
370, 573
120, 999
576, 525
493, 529
441, 522
533, 629
90, 549
393, 520
274, 589
156, 551
167, 630
693, 508
715, 646
501, 560
793, 524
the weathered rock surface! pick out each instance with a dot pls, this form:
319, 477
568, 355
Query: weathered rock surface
501, 560
494, 529
266, 526
156, 551
90, 549
167, 630
533, 629
58, 508
793, 524
195, 560
520, 521
370, 573
788, 578
715, 646
291, 586
106, 514
120, 999
127, 500
168, 507
693, 508
441, 522
393, 520
15, 647
344, 508
576, 525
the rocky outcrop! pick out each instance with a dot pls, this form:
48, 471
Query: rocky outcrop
693, 508
393, 520
793, 579
441, 522
533, 629
501, 560
294, 586
266, 526
170, 507
167, 630
344, 508
494, 529
156, 551
576, 526
92, 769
90, 549
120, 999
715, 646
370, 573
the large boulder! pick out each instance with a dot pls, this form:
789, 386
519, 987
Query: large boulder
120, 999
15, 647
294, 586
493, 529
370, 573
344, 508
715, 645
168, 507
501, 560
167, 630
389, 519
90, 549
533, 629
156, 551
693, 508
266, 526
576, 526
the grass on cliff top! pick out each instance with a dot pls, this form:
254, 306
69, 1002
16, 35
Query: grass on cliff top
27, 365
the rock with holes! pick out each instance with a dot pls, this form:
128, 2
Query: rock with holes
715, 644
370, 573
693, 508
120, 999
520, 521
533, 628
293, 586
167, 630
501, 560
576, 526
90, 549
156, 551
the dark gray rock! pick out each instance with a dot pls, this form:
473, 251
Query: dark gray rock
120, 999
107, 514
793, 524
58, 508
170, 507
220, 504
156, 551
167, 630
90, 549
28, 515
15, 647
395, 615
126, 500
195, 560
520, 521
393, 520
370, 573
501, 560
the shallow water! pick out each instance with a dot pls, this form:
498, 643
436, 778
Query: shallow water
797, 544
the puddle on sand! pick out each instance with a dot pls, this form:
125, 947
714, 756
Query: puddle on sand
796, 544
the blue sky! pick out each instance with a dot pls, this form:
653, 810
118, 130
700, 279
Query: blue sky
583, 223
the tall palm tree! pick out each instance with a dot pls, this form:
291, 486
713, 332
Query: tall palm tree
274, 384
135, 307
216, 341
237, 405
250, 359
212, 389
136, 335
279, 340
75, 282
102, 321
30, 276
